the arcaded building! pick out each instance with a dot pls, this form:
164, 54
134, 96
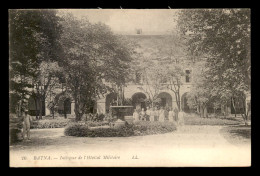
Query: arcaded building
147, 42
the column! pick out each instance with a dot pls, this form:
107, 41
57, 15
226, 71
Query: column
47, 111
72, 108
101, 107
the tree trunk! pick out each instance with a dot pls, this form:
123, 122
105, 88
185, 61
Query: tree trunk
201, 111
40, 115
233, 104
177, 97
20, 108
64, 110
244, 113
198, 109
205, 112
77, 113
36, 108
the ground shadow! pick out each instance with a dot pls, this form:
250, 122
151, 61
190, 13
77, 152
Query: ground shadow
237, 134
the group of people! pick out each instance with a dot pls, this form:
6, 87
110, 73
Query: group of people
162, 114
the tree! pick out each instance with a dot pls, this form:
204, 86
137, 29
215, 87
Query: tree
92, 56
172, 57
32, 38
44, 82
152, 75
223, 37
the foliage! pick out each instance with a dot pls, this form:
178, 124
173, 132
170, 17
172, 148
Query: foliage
148, 127
152, 75
96, 124
92, 56
222, 37
33, 36
128, 102
137, 129
83, 131
193, 119
15, 128
53, 123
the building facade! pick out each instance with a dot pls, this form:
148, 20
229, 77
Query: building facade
147, 43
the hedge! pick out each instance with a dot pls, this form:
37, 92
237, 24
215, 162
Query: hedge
136, 129
15, 128
59, 123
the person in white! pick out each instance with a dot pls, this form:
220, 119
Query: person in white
171, 115
156, 112
152, 113
27, 120
161, 115
136, 115
148, 114
143, 114
181, 118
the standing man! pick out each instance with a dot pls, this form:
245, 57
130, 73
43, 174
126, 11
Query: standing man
143, 115
161, 115
136, 115
171, 115
27, 120
152, 114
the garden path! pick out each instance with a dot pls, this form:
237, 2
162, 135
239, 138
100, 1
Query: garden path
188, 146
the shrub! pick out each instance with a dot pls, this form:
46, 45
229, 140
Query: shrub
54, 123
147, 127
81, 130
95, 124
136, 129
15, 128
192, 119
76, 129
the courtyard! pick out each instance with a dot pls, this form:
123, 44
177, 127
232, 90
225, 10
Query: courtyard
190, 145
130, 88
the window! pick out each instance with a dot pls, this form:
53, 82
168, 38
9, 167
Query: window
138, 31
187, 77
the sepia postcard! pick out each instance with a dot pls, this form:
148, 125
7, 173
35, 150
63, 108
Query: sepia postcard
129, 87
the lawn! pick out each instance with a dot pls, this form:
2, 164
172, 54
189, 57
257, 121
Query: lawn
238, 135
194, 119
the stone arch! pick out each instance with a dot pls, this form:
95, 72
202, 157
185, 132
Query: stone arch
64, 103
184, 104
138, 100
34, 106
166, 99
110, 100
67, 106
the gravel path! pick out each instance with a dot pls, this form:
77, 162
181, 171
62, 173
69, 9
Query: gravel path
188, 146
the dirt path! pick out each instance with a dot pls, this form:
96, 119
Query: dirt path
188, 146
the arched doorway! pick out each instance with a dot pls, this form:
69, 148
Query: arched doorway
138, 101
166, 99
110, 101
64, 106
237, 105
184, 104
34, 106
67, 106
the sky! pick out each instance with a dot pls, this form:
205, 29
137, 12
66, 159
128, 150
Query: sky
128, 20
